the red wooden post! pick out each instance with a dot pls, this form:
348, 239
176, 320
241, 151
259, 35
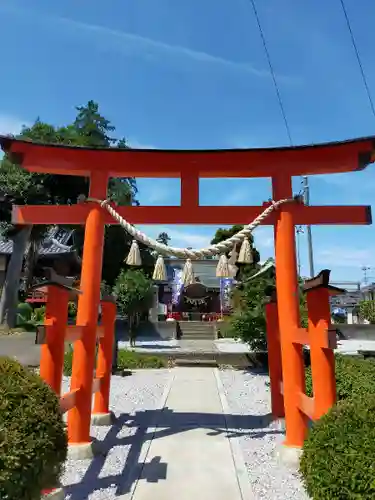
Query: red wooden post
79, 417
288, 312
274, 357
322, 342
104, 360
52, 352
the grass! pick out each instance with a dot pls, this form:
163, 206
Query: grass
127, 360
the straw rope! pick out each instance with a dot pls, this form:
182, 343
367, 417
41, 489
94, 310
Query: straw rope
186, 253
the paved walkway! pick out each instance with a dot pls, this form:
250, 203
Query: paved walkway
188, 458
22, 347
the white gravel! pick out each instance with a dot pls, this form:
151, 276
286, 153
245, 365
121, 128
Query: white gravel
105, 478
248, 394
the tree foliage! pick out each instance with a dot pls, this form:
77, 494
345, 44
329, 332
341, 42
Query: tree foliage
134, 293
248, 321
338, 455
367, 310
163, 238
224, 234
33, 440
18, 186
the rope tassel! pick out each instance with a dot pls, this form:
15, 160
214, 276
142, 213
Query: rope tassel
160, 271
246, 254
188, 273
233, 256
222, 270
134, 256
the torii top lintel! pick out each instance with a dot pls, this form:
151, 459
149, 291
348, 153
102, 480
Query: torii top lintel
324, 158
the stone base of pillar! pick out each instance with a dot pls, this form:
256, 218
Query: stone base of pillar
56, 494
81, 451
103, 418
289, 456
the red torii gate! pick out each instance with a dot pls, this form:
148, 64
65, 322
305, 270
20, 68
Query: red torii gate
281, 164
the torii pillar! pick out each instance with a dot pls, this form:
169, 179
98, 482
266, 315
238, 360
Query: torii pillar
288, 312
87, 314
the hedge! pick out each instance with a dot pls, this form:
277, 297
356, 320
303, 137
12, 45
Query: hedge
33, 441
127, 360
338, 460
354, 376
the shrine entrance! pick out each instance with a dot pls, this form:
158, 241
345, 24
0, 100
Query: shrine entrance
283, 213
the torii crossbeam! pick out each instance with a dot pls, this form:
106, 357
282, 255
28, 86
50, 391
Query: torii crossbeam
281, 164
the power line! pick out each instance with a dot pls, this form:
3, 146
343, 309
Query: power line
282, 109
367, 88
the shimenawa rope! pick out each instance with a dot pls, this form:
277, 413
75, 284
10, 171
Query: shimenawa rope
216, 249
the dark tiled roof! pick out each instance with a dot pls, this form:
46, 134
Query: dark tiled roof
55, 243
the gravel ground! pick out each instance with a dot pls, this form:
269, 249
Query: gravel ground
248, 394
105, 478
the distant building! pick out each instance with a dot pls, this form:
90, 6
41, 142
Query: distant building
56, 251
175, 297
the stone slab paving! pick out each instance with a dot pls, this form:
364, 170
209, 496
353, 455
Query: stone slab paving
189, 458
22, 347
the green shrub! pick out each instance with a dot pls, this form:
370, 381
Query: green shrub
338, 455
72, 310
24, 312
367, 310
354, 376
38, 315
33, 441
250, 326
127, 360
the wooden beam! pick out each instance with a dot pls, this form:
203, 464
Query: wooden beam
301, 336
72, 333
68, 400
307, 405
263, 162
76, 214
96, 384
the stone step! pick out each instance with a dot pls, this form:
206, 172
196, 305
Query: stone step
196, 362
198, 336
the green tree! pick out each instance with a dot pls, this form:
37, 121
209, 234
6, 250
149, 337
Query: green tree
134, 294
367, 310
243, 269
22, 187
163, 238
248, 321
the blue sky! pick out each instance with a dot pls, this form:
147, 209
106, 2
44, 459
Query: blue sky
193, 74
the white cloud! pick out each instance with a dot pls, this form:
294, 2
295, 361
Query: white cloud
189, 238
133, 44
10, 124
341, 257
179, 237
133, 143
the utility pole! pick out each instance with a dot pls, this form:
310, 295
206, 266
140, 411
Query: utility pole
365, 269
299, 230
306, 199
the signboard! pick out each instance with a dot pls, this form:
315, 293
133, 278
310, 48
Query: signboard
225, 293
177, 285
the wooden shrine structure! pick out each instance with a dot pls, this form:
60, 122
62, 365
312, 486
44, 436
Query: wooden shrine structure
280, 164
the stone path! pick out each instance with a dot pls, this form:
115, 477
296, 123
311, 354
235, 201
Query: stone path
22, 347
188, 457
